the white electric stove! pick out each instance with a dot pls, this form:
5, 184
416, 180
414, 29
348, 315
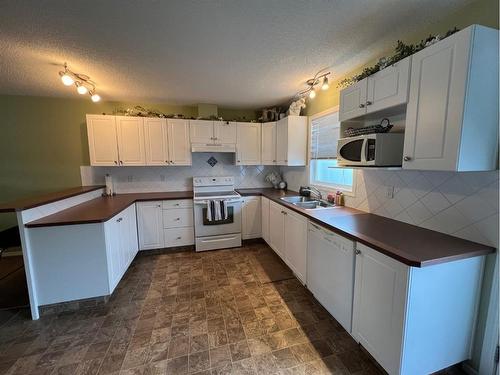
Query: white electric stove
216, 234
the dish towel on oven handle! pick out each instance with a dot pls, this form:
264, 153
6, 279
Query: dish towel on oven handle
217, 210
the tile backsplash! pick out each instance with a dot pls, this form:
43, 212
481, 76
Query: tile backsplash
151, 179
462, 204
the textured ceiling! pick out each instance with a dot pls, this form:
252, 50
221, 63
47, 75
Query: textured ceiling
239, 53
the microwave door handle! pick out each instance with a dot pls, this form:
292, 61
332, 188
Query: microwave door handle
364, 150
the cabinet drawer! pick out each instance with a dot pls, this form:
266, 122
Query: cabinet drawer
178, 237
177, 203
177, 218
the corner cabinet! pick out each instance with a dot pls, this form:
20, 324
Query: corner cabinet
248, 138
404, 314
452, 113
385, 89
291, 141
251, 218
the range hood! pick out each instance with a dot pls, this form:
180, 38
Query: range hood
209, 147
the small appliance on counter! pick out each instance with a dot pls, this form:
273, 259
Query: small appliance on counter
110, 189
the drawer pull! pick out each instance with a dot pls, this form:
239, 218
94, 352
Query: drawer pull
177, 219
357, 252
179, 238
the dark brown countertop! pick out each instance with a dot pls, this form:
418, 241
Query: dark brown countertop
406, 243
102, 209
26, 203
412, 245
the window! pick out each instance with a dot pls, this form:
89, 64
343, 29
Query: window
324, 173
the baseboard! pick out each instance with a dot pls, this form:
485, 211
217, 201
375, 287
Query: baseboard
469, 369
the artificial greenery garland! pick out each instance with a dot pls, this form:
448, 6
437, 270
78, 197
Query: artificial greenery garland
402, 50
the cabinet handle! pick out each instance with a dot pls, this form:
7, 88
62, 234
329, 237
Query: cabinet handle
274, 161
166, 161
407, 158
119, 219
177, 219
361, 105
177, 204
171, 162
357, 251
121, 162
369, 103
158, 205
116, 162
179, 238
238, 161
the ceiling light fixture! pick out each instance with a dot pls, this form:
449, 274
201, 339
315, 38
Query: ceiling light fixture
320, 78
82, 82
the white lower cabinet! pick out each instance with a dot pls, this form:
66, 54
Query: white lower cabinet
251, 218
165, 223
265, 218
121, 244
150, 225
415, 320
277, 229
288, 238
330, 272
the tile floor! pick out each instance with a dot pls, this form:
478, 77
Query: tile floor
188, 313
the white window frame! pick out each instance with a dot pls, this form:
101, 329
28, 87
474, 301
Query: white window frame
312, 182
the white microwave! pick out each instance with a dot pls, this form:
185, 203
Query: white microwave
379, 149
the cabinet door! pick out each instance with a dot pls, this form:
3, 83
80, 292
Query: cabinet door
179, 146
130, 132
282, 142
112, 230
330, 272
296, 243
277, 228
150, 225
133, 242
436, 103
380, 296
201, 131
251, 218
389, 87
269, 143
156, 135
248, 143
225, 132
265, 218
353, 100
103, 144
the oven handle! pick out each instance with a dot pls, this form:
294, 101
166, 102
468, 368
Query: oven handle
228, 201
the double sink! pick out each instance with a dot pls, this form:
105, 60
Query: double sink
307, 203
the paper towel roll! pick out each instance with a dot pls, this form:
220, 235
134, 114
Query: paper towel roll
109, 185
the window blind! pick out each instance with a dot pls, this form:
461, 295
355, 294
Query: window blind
325, 132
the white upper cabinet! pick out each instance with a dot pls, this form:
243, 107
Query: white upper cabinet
389, 87
291, 141
248, 138
353, 100
268, 143
130, 135
179, 149
225, 132
452, 114
385, 89
103, 145
201, 131
156, 136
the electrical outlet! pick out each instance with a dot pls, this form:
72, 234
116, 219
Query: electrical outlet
390, 192
162, 178
130, 178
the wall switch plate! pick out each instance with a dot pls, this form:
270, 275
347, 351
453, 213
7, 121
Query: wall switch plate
390, 192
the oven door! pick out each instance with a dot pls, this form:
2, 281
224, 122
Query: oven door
203, 227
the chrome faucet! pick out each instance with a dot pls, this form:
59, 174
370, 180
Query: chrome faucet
313, 190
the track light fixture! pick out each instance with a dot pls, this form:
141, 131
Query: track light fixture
320, 78
83, 83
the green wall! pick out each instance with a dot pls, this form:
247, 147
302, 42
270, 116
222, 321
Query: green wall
483, 12
44, 141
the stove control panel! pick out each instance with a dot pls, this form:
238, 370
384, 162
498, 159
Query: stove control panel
212, 181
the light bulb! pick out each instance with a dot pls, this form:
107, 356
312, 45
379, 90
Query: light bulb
95, 98
312, 93
66, 79
325, 85
82, 90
